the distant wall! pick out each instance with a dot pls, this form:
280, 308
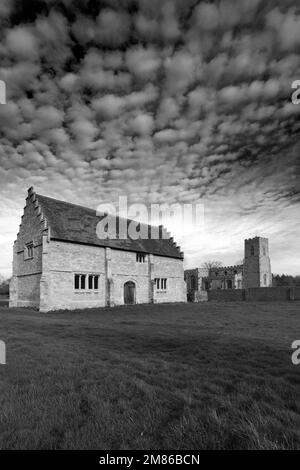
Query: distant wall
4, 290
227, 295
295, 292
268, 293
255, 294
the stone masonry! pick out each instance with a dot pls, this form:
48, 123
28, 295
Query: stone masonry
46, 279
255, 272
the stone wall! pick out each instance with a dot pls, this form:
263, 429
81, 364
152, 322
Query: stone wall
228, 295
172, 270
123, 268
62, 260
255, 294
295, 293
268, 293
200, 296
25, 283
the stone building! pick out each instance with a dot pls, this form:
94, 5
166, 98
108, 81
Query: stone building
59, 262
254, 272
257, 264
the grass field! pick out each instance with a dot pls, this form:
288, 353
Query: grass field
183, 376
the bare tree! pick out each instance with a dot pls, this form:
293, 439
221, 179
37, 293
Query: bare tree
208, 265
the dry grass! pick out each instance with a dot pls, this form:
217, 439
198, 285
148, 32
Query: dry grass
209, 376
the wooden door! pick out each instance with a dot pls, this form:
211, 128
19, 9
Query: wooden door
129, 293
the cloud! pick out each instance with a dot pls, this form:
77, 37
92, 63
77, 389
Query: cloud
180, 71
108, 106
113, 28
143, 62
141, 124
21, 43
286, 26
168, 102
167, 135
207, 16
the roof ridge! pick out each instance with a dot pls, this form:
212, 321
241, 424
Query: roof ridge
66, 202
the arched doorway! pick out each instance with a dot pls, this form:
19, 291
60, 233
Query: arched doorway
129, 293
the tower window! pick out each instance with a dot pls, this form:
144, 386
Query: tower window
252, 250
265, 279
264, 251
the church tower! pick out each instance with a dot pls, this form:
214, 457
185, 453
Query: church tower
257, 265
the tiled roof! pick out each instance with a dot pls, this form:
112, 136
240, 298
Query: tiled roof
74, 223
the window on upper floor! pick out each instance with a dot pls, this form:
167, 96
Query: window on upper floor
252, 250
264, 251
140, 258
193, 282
29, 250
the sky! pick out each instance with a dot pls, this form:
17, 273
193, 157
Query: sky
163, 102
